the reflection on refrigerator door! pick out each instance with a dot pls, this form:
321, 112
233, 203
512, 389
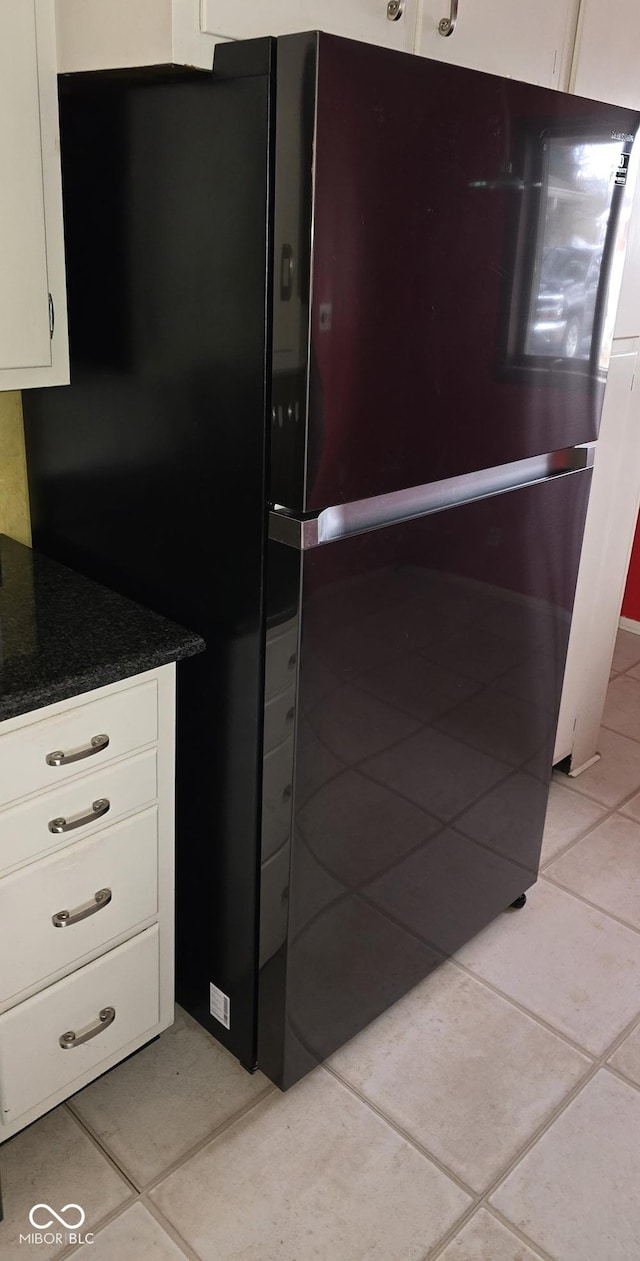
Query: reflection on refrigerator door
431, 661
281, 651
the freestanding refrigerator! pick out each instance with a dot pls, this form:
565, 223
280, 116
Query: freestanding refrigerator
340, 326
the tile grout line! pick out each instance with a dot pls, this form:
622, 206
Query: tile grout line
608, 812
593, 1065
93, 1138
453, 959
402, 1133
614, 730
524, 1011
537, 1250
479, 1200
483, 1200
212, 1134
141, 1193
585, 796
138, 1192
570, 781
617, 1072
169, 1229
212, 1137
114, 1216
72, 1250
594, 906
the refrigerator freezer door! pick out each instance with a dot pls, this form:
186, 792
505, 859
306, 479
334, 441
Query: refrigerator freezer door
429, 658
447, 243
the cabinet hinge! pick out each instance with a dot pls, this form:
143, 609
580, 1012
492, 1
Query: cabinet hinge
52, 317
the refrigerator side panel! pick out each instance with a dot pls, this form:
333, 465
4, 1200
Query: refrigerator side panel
293, 230
429, 676
138, 467
282, 647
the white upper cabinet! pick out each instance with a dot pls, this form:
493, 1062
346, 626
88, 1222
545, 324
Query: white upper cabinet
33, 324
607, 64
368, 20
110, 34
515, 38
105, 34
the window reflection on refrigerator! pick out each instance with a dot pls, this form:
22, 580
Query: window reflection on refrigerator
569, 273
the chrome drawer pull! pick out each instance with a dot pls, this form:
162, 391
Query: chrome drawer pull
95, 745
71, 1039
99, 807
62, 919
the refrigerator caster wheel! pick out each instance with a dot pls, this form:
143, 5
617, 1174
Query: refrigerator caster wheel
519, 902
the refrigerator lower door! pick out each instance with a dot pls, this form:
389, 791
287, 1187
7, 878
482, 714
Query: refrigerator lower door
413, 678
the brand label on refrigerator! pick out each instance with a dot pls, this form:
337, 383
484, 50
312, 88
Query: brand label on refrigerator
622, 169
219, 1006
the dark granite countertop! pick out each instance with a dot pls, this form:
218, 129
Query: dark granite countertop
62, 634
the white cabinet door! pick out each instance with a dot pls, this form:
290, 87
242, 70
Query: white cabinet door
31, 233
608, 537
606, 58
110, 34
357, 19
514, 38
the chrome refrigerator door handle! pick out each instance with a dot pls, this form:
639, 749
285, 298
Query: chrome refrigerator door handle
446, 26
105, 1018
342, 520
99, 807
95, 745
63, 919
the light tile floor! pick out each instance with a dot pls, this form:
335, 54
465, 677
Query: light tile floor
492, 1115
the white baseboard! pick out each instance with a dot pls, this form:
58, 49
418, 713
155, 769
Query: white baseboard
577, 770
627, 623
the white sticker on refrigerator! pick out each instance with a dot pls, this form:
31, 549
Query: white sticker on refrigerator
219, 1006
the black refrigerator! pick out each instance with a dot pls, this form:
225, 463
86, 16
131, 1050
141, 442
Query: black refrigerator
340, 323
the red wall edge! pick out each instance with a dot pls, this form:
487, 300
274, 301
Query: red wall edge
631, 601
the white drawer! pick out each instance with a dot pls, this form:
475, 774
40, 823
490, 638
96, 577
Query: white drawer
128, 785
128, 718
122, 860
33, 1064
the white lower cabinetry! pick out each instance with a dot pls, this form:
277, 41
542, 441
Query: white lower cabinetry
86, 889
